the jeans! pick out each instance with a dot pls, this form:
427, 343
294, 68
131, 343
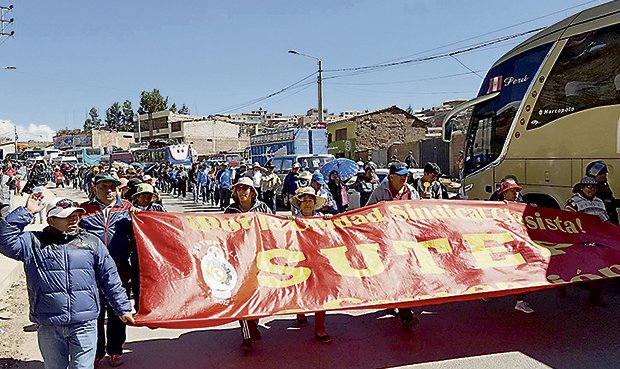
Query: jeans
269, 198
71, 345
112, 336
224, 197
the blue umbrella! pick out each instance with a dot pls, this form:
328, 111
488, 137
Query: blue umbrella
346, 168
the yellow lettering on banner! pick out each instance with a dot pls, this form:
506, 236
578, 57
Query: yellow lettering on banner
585, 277
607, 272
551, 249
483, 254
199, 223
422, 253
297, 274
478, 288
337, 303
338, 259
245, 222
229, 225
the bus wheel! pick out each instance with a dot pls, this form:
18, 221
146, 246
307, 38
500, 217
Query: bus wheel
541, 200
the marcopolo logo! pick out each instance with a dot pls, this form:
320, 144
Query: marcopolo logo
218, 273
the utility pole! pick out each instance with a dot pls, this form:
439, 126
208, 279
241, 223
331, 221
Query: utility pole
15, 127
5, 23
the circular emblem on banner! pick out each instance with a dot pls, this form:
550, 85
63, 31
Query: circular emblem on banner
218, 273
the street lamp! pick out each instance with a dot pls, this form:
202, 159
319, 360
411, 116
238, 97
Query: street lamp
319, 80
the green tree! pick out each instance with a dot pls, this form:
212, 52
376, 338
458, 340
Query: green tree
114, 116
151, 102
173, 108
93, 121
409, 109
184, 110
128, 116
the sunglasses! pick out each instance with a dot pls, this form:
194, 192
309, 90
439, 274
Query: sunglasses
66, 203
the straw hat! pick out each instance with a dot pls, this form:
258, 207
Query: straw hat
143, 188
303, 191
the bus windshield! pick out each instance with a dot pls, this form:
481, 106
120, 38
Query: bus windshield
491, 120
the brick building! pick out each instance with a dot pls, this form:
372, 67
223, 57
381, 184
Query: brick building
359, 137
206, 135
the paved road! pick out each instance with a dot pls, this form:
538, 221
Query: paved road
564, 332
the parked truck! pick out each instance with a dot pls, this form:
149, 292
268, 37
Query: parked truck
288, 141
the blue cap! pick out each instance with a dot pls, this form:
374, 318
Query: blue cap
399, 168
318, 178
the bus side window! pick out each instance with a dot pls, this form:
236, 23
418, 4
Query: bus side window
586, 75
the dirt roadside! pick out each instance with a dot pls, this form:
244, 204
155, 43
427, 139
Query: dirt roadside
15, 327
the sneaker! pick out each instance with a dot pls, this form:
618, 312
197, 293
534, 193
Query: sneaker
246, 345
302, 321
323, 339
255, 335
115, 360
524, 307
409, 324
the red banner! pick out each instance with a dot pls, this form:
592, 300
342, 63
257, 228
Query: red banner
200, 269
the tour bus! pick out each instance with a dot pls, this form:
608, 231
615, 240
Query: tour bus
546, 109
173, 154
86, 155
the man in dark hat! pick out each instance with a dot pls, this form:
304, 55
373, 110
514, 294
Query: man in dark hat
269, 183
598, 170
395, 187
108, 217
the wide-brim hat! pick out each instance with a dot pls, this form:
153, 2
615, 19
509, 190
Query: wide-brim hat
247, 181
305, 175
509, 184
584, 181
143, 188
319, 201
62, 208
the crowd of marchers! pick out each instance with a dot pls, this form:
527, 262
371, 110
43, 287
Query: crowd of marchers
82, 269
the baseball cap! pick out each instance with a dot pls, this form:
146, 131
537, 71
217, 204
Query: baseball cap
318, 178
106, 178
62, 208
296, 165
399, 168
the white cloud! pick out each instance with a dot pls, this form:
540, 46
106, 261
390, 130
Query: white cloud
36, 132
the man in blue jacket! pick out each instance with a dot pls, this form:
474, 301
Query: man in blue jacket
64, 266
108, 217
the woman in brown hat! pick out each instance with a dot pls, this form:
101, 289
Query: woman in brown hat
245, 200
307, 201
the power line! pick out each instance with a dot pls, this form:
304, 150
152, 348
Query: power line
257, 100
466, 67
439, 56
407, 81
497, 30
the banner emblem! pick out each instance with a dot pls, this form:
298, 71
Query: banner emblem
218, 273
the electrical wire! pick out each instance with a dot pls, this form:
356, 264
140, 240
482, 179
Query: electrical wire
439, 56
497, 30
232, 108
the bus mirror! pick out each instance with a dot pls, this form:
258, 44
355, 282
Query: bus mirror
447, 131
